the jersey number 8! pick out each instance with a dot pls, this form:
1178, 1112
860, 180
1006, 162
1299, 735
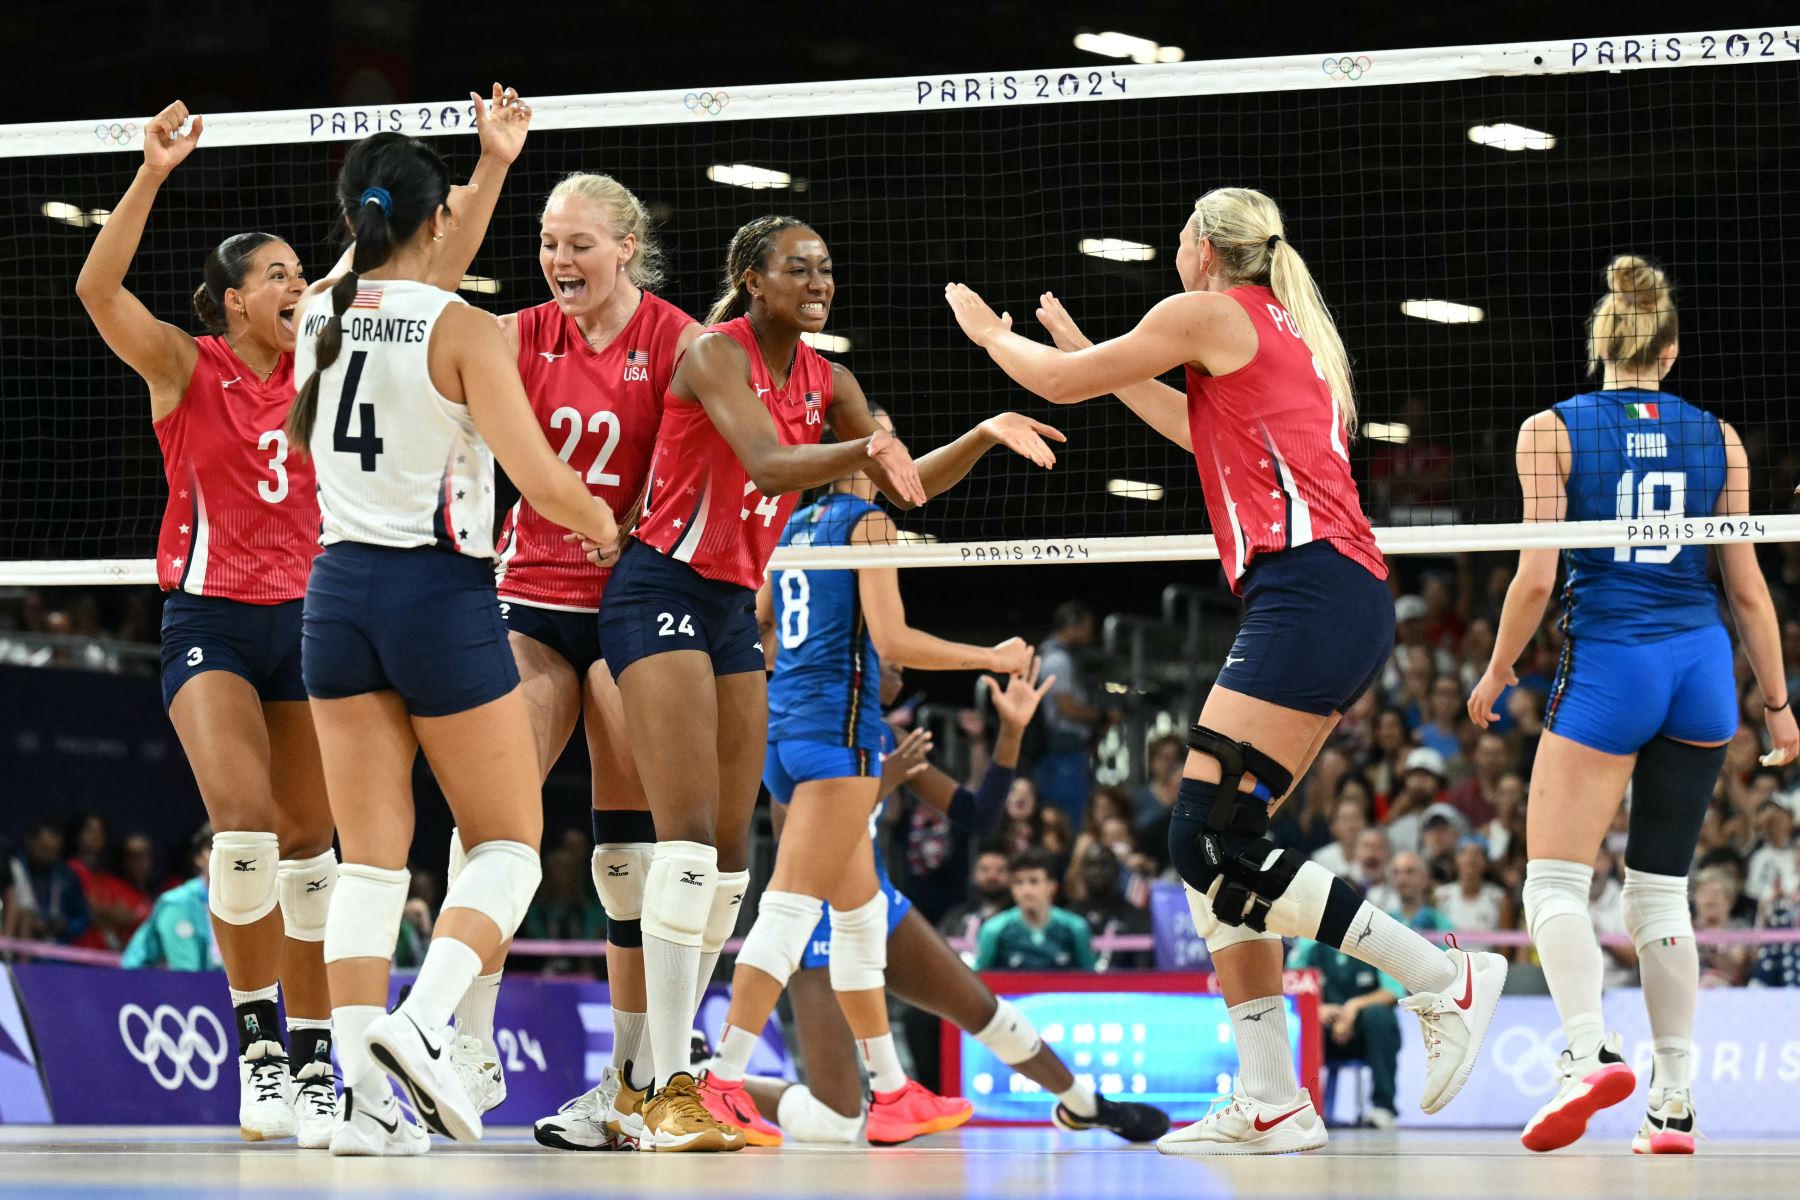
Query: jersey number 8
796, 617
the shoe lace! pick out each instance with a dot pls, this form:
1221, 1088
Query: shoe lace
588, 1104
683, 1099
320, 1095
1223, 1107
268, 1070
1429, 1008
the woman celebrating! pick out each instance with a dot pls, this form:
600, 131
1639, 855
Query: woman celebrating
238, 539
740, 434
1644, 695
1267, 413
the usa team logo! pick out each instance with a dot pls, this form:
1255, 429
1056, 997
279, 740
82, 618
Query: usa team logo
367, 297
815, 407
637, 366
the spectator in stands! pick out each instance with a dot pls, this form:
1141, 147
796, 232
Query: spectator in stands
1369, 873
1446, 609
1472, 900
1525, 708
1412, 887
1421, 787
1034, 935
1071, 718
1439, 833
1715, 896
1303, 822
1108, 804
990, 892
1474, 796
565, 908
1356, 1008
1029, 823
118, 904
1414, 697
1778, 965
1165, 760
1506, 798
1446, 717
1097, 876
1473, 652
58, 909
178, 933
1385, 767
1774, 866
1412, 649
1347, 824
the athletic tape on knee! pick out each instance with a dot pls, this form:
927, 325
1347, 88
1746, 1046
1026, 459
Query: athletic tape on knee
621, 872
458, 860
1010, 1035
678, 893
804, 1117
364, 921
859, 946
498, 881
305, 894
1655, 907
727, 902
1555, 888
778, 938
242, 883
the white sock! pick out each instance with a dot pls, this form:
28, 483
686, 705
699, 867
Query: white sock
1674, 1063
1079, 1099
1575, 972
628, 1037
1265, 1060
703, 975
349, 1024
450, 967
475, 1012
669, 973
268, 993
883, 1062
1387, 945
733, 1056
1670, 971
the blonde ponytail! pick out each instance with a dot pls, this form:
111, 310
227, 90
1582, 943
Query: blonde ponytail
1635, 321
1245, 229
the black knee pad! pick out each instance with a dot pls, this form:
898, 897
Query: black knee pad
626, 935
1671, 788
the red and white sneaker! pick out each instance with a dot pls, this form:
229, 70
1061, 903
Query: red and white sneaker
1596, 1080
731, 1104
914, 1111
1454, 1022
1668, 1127
1242, 1125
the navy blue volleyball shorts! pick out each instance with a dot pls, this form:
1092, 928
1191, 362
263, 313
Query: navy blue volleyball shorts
260, 642
654, 604
573, 635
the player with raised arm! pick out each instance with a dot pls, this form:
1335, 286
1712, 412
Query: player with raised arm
238, 539
828, 1107
740, 434
829, 634
406, 390
1268, 414
1644, 695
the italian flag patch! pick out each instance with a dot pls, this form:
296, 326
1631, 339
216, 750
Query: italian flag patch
1646, 412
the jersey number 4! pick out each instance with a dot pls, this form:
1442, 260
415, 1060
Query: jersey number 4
1641, 500
365, 443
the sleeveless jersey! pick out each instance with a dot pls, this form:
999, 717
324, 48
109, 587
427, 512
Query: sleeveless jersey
398, 464
827, 682
242, 521
600, 411
700, 506
1270, 447
1643, 455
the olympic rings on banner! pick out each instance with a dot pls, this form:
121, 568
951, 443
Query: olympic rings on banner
120, 133
155, 1046
1346, 68
709, 104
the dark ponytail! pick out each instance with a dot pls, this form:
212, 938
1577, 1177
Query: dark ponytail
225, 268
390, 185
749, 251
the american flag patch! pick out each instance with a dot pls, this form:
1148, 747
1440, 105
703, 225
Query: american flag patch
367, 297
815, 404
637, 358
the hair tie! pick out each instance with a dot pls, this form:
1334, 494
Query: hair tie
1270, 244
379, 196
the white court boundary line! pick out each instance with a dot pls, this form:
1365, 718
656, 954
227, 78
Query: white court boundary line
937, 93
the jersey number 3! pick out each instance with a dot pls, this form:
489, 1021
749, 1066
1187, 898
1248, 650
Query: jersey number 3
1638, 500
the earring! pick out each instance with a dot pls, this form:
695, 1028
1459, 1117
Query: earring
437, 237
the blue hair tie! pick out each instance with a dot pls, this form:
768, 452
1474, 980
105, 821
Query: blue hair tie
379, 196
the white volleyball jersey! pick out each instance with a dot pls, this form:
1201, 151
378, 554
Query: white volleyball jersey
398, 464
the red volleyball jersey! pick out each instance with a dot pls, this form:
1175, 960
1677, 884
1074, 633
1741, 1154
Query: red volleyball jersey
1269, 443
701, 506
600, 410
242, 520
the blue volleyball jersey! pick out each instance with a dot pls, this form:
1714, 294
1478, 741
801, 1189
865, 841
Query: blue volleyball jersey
827, 683
1639, 455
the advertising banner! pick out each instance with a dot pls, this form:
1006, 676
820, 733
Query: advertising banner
22, 1098
1178, 947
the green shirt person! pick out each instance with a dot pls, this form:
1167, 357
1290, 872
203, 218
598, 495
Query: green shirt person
178, 932
1034, 935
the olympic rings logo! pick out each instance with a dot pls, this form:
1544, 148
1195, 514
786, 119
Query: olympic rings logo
120, 133
172, 1059
709, 104
1529, 1058
1346, 67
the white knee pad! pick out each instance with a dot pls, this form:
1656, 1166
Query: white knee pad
1011, 1035
1555, 888
678, 894
859, 946
727, 901
241, 881
498, 881
621, 871
804, 1117
364, 921
777, 940
1655, 907
306, 887
458, 860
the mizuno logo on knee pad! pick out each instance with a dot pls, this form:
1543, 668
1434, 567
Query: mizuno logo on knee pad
617, 870
691, 877
315, 885
244, 864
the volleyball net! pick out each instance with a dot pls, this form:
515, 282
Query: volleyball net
1456, 205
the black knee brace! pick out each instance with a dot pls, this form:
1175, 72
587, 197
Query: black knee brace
1204, 856
1671, 787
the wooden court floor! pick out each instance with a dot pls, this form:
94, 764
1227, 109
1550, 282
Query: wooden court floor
57, 1163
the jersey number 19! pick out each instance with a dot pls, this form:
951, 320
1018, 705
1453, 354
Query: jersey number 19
1638, 500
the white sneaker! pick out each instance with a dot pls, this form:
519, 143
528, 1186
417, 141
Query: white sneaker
624, 1114
1247, 1126
1455, 1021
264, 1110
315, 1105
1382, 1119
378, 1131
420, 1064
1668, 1127
580, 1124
480, 1072
1596, 1080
